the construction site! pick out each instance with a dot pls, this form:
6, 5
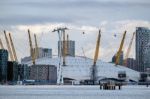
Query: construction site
67, 68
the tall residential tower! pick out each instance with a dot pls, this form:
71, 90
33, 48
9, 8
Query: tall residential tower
142, 40
70, 49
3, 65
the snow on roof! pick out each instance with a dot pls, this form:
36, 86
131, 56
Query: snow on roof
79, 68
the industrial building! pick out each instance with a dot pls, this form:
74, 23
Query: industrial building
3, 65
43, 74
142, 39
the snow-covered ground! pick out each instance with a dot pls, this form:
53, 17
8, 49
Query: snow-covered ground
73, 92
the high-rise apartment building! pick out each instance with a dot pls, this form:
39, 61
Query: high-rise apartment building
142, 40
70, 48
3, 65
147, 57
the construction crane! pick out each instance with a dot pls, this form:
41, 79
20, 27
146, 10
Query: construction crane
96, 56
120, 49
9, 47
13, 48
129, 49
31, 48
1, 44
36, 54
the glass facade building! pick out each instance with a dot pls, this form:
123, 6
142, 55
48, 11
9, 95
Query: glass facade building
3, 65
12, 75
142, 40
23, 72
147, 57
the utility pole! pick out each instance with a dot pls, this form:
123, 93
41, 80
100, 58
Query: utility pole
60, 31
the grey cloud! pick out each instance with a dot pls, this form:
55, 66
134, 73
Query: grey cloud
14, 20
72, 11
79, 12
75, 3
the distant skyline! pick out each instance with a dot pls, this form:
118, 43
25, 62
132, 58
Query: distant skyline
41, 17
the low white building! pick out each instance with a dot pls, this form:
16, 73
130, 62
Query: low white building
79, 68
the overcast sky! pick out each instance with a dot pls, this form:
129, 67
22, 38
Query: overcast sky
42, 16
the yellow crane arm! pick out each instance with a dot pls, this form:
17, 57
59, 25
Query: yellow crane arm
13, 48
1, 44
9, 48
31, 48
120, 49
97, 48
129, 49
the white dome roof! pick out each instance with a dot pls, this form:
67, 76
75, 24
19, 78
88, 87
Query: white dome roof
79, 68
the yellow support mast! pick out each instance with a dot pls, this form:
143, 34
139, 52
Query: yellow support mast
96, 57
36, 54
9, 48
97, 48
120, 49
31, 48
13, 48
1, 44
129, 49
